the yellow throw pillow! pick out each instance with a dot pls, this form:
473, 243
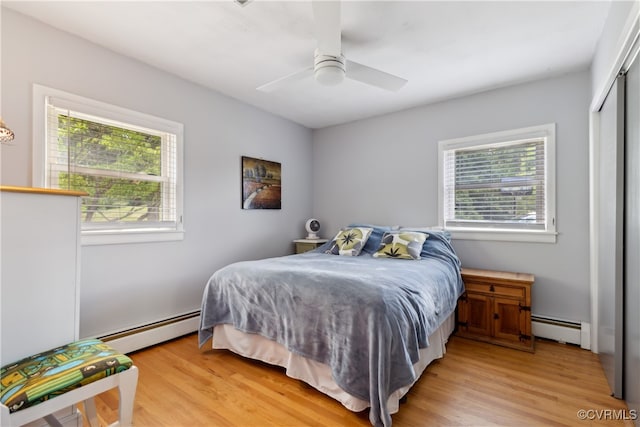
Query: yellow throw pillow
401, 245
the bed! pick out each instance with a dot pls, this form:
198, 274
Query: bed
359, 318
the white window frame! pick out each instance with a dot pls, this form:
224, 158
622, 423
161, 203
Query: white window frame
118, 114
549, 234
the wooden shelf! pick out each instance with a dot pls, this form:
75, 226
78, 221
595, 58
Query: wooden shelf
35, 190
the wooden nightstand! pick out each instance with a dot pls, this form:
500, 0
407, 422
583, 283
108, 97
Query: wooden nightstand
304, 245
496, 308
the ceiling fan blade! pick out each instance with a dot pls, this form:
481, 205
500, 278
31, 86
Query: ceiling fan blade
326, 16
286, 80
374, 77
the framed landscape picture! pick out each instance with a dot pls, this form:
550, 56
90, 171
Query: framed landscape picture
261, 184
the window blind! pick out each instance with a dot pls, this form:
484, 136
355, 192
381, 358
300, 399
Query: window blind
500, 185
129, 171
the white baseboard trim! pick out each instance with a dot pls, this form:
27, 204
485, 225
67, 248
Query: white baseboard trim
562, 331
147, 335
585, 335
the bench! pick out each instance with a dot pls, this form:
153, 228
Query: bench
40, 385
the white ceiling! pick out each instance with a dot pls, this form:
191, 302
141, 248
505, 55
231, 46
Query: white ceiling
444, 49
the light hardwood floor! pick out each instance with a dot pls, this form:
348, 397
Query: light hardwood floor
475, 384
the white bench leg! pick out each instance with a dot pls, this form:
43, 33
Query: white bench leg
90, 412
127, 391
52, 421
5, 416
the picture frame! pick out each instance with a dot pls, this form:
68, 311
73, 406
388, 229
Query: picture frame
261, 184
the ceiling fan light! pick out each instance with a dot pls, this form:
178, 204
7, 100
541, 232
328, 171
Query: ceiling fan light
328, 70
329, 76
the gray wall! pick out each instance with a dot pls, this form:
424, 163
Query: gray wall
384, 170
128, 285
343, 167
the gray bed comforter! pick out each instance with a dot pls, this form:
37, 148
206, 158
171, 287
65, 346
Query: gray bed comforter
364, 317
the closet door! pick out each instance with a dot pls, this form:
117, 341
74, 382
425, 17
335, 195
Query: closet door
610, 235
632, 240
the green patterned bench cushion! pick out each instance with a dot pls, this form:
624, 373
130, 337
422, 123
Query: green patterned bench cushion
49, 374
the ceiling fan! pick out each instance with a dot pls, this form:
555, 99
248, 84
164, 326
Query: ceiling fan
330, 66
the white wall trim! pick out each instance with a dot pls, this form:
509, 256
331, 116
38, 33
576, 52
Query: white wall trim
110, 237
594, 200
504, 235
628, 37
585, 336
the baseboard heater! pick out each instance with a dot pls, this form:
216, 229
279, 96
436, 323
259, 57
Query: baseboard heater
563, 331
139, 337
153, 333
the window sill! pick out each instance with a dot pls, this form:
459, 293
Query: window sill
91, 238
504, 235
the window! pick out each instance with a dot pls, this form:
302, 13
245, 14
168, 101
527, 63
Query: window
499, 186
129, 163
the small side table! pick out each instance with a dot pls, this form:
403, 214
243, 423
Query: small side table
496, 308
305, 245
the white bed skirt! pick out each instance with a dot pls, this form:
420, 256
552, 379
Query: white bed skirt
318, 374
